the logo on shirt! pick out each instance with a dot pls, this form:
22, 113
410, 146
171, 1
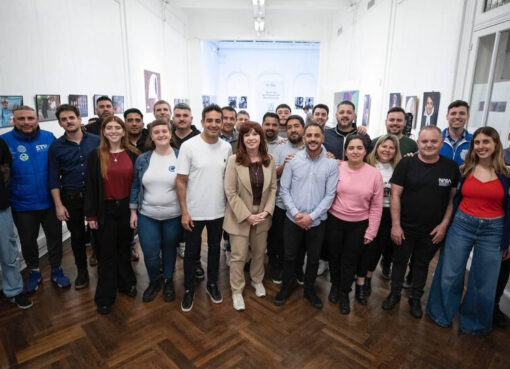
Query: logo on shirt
463, 154
445, 182
21, 148
43, 147
23, 157
171, 168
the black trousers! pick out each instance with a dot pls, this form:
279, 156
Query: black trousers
28, 224
504, 273
423, 250
113, 252
275, 249
346, 251
73, 201
382, 244
296, 239
193, 247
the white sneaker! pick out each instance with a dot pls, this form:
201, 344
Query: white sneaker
238, 301
260, 291
323, 266
227, 258
180, 249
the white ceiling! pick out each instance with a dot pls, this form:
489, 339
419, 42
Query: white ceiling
270, 4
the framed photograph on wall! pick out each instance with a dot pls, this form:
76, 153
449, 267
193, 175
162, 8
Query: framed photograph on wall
206, 100
243, 102
118, 104
352, 96
8, 103
366, 111
299, 102
309, 102
232, 102
430, 108
395, 99
81, 102
152, 89
46, 106
412, 107
181, 101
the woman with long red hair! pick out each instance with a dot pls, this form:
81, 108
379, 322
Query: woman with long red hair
108, 183
250, 187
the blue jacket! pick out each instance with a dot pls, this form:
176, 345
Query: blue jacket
460, 151
505, 181
141, 165
29, 171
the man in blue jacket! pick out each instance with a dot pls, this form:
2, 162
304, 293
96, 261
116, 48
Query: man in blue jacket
30, 198
456, 138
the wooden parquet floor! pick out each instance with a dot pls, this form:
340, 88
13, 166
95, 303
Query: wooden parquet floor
63, 330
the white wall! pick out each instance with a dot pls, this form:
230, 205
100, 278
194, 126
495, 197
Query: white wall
406, 46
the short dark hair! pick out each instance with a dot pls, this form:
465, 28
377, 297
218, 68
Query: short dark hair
270, 115
297, 117
346, 102
132, 110
160, 102
396, 109
182, 106
283, 106
212, 107
104, 98
229, 108
355, 137
320, 106
457, 103
67, 107
312, 124
243, 112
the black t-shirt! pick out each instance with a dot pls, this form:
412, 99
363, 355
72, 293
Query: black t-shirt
426, 192
5, 158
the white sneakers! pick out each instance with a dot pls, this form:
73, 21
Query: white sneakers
260, 291
238, 301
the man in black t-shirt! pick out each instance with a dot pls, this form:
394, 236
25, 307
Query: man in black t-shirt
12, 283
422, 189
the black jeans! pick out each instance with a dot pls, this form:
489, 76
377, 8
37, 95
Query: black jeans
382, 243
423, 250
275, 250
114, 252
193, 247
345, 245
28, 224
504, 273
296, 239
73, 201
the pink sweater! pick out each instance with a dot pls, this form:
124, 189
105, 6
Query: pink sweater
359, 196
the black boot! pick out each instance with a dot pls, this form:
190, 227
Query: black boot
311, 296
334, 294
360, 294
390, 301
368, 286
345, 305
415, 305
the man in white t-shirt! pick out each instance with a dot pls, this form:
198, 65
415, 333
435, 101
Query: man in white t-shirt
200, 171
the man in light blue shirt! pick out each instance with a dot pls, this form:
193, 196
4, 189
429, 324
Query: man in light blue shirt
308, 186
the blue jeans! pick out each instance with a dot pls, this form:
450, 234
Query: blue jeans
159, 239
12, 283
475, 312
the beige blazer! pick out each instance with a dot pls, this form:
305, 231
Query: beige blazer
240, 197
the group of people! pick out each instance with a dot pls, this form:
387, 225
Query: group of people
303, 194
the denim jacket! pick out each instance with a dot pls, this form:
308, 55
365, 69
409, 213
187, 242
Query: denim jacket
141, 165
505, 181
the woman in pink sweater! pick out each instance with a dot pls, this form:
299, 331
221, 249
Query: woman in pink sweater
353, 222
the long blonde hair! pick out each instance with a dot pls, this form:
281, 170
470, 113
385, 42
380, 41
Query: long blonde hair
497, 158
373, 157
104, 145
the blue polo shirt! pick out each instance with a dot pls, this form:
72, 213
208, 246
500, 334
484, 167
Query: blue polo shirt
67, 161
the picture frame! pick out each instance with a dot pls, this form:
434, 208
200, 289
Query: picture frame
395, 100
430, 108
412, 107
46, 107
118, 104
365, 119
152, 89
232, 102
81, 103
7, 104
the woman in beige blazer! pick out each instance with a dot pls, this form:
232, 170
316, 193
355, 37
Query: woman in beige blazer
250, 187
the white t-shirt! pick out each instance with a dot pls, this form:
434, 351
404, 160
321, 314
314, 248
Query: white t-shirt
204, 164
159, 192
386, 171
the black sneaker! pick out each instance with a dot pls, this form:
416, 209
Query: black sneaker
168, 290
390, 301
345, 303
104, 309
415, 308
199, 271
312, 298
334, 294
187, 301
214, 293
282, 296
152, 291
278, 276
82, 279
22, 300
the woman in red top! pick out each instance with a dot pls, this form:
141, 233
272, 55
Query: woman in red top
108, 183
482, 224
